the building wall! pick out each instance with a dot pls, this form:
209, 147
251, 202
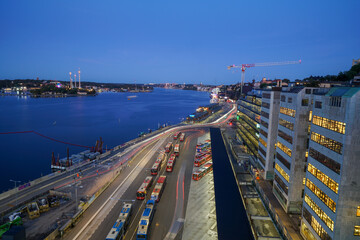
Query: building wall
347, 195
298, 148
271, 130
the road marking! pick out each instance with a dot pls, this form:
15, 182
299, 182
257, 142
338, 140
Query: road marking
111, 196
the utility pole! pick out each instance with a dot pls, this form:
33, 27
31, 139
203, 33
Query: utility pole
16, 190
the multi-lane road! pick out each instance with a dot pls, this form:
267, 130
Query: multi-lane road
169, 216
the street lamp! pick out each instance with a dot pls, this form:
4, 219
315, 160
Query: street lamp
14, 181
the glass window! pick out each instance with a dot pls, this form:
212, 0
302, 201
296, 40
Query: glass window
284, 136
284, 148
286, 124
325, 160
266, 95
330, 183
321, 195
289, 100
321, 214
335, 101
287, 111
305, 102
330, 124
358, 211
282, 172
318, 104
327, 142
357, 231
263, 143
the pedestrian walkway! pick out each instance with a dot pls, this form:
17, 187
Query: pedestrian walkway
200, 215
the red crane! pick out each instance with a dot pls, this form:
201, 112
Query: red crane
245, 66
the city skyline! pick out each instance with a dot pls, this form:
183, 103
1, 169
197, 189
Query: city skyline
176, 42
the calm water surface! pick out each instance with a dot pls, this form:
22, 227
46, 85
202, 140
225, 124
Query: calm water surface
81, 120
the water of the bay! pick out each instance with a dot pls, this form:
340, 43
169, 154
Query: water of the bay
82, 120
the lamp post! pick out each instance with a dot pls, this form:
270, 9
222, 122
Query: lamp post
14, 181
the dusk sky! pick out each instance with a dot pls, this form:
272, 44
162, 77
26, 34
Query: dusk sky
176, 41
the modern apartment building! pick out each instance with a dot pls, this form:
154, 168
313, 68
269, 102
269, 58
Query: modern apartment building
331, 206
270, 108
291, 147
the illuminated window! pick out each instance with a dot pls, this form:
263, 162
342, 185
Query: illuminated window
310, 116
251, 106
287, 111
321, 195
286, 124
262, 142
334, 186
358, 211
321, 214
333, 125
357, 231
327, 142
282, 172
315, 225
304, 180
284, 148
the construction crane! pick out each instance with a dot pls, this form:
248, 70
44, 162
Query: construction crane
243, 67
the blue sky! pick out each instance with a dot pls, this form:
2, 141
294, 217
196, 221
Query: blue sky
176, 41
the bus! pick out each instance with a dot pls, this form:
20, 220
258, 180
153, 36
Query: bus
155, 168
201, 172
202, 147
182, 137
168, 147
177, 149
158, 189
176, 135
200, 161
157, 165
161, 157
202, 153
171, 163
141, 193
145, 221
121, 224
